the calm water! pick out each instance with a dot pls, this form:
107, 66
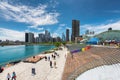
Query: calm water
12, 53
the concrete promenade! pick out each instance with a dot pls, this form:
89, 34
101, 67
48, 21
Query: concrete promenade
43, 70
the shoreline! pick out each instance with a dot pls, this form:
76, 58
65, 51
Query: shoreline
43, 69
19, 60
23, 44
14, 62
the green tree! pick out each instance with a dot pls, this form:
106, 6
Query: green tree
57, 44
64, 43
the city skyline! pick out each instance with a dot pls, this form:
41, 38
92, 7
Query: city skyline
30, 38
36, 16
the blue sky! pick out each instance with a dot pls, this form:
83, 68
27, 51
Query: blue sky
20, 16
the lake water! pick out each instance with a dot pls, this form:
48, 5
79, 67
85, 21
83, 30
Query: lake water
13, 53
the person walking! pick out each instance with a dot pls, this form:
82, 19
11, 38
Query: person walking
51, 64
54, 57
48, 58
33, 71
55, 64
45, 58
8, 76
14, 76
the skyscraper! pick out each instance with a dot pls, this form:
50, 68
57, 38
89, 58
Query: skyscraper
29, 37
42, 37
47, 36
75, 29
26, 37
63, 37
67, 34
38, 40
46, 33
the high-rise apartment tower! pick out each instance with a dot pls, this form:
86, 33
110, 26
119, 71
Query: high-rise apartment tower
75, 29
29, 37
67, 34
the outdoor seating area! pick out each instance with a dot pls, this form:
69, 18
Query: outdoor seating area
78, 63
34, 59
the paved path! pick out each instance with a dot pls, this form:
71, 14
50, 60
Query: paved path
43, 70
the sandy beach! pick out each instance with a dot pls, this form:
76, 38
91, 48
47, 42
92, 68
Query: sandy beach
42, 68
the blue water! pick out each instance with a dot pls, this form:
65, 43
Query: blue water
13, 53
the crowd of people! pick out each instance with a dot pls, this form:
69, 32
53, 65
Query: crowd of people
52, 61
52, 57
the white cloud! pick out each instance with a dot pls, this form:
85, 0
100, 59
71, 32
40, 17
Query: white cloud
15, 35
11, 34
53, 3
62, 25
55, 35
102, 27
38, 28
34, 16
114, 11
61, 29
69, 28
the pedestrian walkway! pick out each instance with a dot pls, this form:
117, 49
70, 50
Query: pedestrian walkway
42, 69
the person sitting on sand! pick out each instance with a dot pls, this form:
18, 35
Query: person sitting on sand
8, 76
33, 56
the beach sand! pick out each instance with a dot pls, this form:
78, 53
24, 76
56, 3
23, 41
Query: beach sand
42, 68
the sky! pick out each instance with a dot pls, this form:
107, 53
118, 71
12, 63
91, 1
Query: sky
20, 16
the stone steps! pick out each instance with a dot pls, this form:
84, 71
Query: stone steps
87, 60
